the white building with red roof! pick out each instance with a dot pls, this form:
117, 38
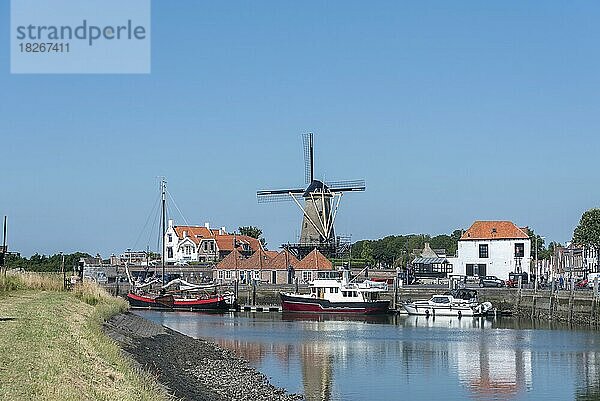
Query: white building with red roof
493, 248
204, 244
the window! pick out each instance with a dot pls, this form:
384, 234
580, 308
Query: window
257, 274
205, 246
306, 276
188, 250
483, 250
212, 246
519, 250
221, 274
274, 277
169, 252
228, 274
169, 238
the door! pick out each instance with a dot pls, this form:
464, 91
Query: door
274, 277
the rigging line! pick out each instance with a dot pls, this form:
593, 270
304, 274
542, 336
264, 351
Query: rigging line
155, 224
175, 204
147, 220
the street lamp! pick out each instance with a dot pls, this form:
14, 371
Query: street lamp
536, 261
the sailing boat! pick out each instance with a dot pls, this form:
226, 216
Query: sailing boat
177, 294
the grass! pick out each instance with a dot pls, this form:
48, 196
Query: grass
52, 346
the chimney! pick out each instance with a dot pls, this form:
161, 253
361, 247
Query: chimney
185, 234
207, 225
222, 231
170, 223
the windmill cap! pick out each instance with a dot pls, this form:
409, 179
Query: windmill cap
315, 186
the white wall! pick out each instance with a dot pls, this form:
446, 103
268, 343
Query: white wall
501, 256
174, 243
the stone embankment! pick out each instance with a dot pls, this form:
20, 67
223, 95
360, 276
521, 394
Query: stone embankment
191, 369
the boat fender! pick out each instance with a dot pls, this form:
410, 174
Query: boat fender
459, 314
313, 295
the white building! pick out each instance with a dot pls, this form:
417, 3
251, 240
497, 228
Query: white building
493, 248
204, 244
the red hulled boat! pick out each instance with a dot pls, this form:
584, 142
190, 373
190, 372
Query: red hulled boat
333, 292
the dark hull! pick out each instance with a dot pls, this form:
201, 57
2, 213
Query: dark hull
290, 303
216, 303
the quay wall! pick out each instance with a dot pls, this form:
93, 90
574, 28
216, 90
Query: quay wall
578, 307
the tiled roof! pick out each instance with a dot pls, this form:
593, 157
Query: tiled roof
283, 260
258, 261
234, 260
225, 242
494, 230
314, 261
195, 233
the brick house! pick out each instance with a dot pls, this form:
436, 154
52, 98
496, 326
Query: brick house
270, 267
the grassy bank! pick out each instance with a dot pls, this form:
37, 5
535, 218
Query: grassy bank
52, 346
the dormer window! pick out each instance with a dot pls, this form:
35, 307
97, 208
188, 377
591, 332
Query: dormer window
169, 237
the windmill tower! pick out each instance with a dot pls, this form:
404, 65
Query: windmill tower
318, 201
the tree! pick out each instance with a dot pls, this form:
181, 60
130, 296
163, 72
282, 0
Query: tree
251, 231
587, 233
542, 253
366, 253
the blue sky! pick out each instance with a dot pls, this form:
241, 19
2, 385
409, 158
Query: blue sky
451, 111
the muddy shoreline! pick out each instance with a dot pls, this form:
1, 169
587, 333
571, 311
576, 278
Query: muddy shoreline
191, 369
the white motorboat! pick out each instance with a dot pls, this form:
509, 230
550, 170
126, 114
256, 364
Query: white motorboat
455, 303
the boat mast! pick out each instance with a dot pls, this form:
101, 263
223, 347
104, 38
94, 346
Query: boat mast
163, 186
3, 256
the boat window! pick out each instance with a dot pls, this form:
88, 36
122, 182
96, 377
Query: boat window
344, 293
354, 294
336, 290
441, 300
313, 290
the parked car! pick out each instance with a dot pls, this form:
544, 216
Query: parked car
590, 279
181, 263
490, 281
407, 278
513, 279
583, 284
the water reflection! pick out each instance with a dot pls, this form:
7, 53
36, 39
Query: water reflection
410, 357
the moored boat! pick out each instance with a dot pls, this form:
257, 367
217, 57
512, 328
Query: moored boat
334, 292
177, 294
189, 297
460, 303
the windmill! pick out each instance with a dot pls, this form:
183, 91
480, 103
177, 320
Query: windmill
318, 201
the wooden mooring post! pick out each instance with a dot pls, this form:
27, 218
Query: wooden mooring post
571, 299
552, 300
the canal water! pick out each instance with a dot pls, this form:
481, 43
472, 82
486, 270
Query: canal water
405, 357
